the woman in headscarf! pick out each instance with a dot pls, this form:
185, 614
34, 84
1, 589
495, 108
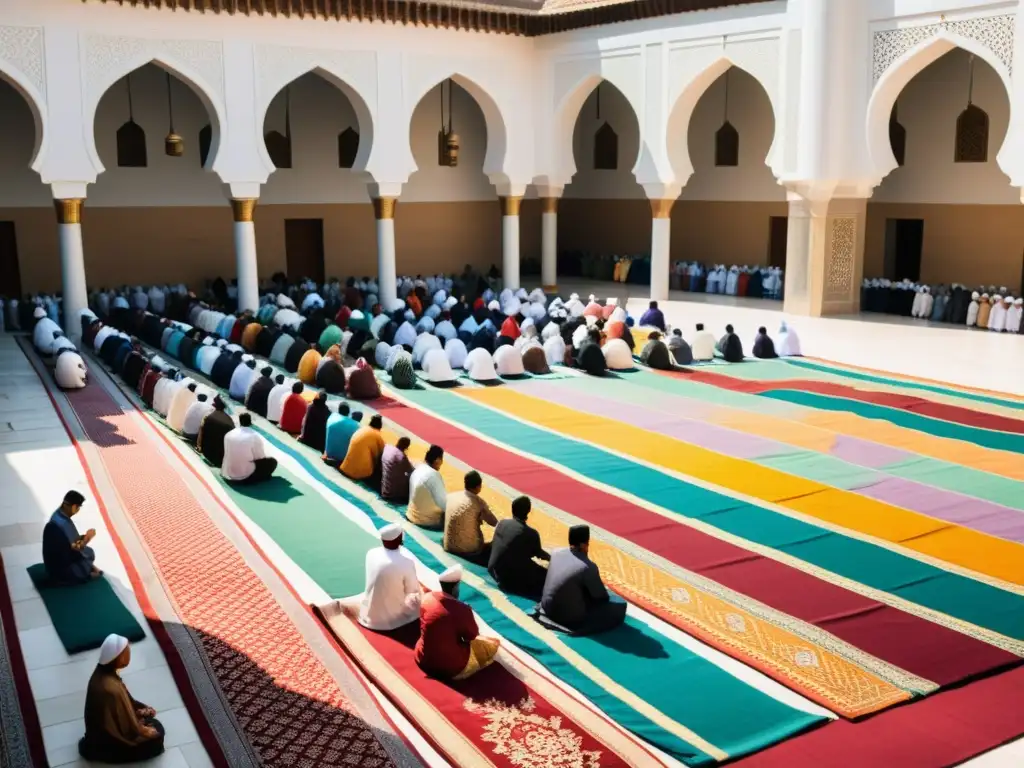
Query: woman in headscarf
118, 728
655, 354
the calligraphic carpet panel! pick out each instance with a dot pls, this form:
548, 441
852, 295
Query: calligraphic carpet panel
957, 545
969, 512
631, 659
497, 717
942, 730
270, 677
909, 642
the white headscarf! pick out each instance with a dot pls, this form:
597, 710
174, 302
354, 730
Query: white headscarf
112, 647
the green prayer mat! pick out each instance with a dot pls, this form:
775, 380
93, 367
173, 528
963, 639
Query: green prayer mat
85, 614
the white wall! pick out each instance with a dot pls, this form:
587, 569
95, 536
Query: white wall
928, 108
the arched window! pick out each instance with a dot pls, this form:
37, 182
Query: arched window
348, 147
727, 146
205, 140
606, 149
131, 145
972, 135
897, 137
279, 147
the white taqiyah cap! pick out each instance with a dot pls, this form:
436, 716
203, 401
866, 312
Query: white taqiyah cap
390, 532
452, 575
112, 647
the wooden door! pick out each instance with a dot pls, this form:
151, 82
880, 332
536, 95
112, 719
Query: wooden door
10, 271
304, 249
778, 231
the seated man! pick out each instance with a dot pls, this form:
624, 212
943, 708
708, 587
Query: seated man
259, 393
194, 418
314, 423
764, 347
450, 646
395, 469
118, 729
212, 431
392, 595
245, 459
574, 599
729, 346
293, 410
789, 342
680, 350
362, 460
703, 345
275, 400
513, 550
66, 554
653, 317
427, 494
182, 401
655, 354
241, 380
340, 429
464, 515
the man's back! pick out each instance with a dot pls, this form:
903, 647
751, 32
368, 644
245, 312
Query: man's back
447, 626
241, 449
424, 509
514, 544
568, 589
392, 589
462, 532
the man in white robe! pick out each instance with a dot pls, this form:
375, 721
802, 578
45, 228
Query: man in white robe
180, 403
245, 457
1013, 316
703, 345
194, 416
788, 342
392, 595
276, 398
997, 317
972, 309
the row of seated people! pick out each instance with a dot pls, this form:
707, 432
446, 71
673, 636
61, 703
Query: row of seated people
58, 351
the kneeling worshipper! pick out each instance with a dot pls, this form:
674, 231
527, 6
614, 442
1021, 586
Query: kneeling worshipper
212, 431
330, 373
450, 646
362, 384
617, 356
764, 347
67, 556
392, 595
480, 365
293, 410
118, 728
789, 342
554, 350
259, 393
589, 356
437, 368
465, 513
575, 599
729, 346
703, 345
245, 458
395, 469
275, 400
655, 354
362, 460
241, 379
508, 362
402, 374
535, 360
427, 495
653, 317
314, 423
194, 416
513, 550
340, 429
69, 371
180, 404
309, 364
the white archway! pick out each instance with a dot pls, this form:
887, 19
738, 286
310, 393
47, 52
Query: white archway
899, 74
37, 106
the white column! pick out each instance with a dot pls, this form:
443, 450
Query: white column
246, 265
510, 241
661, 242
72, 264
549, 243
387, 271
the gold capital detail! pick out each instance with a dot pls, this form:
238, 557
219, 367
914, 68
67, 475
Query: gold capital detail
661, 208
242, 208
510, 205
69, 210
549, 205
384, 207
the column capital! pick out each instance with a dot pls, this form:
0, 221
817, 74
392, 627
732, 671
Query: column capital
243, 208
661, 208
549, 204
66, 190
662, 191
385, 189
510, 205
69, 210
550, 190
384, 207
242, 190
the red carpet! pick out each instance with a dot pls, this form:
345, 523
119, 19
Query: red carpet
914, 644
941, 730
936, 410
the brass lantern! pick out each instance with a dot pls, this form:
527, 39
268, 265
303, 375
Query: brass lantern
451, 149
447, 139
174, 145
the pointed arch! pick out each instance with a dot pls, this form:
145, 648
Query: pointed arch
364, 117
36, 105
900, 73
685, 103
180, 70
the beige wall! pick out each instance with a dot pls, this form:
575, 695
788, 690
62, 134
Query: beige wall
973, 244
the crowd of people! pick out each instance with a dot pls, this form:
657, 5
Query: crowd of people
755, 282
991, 308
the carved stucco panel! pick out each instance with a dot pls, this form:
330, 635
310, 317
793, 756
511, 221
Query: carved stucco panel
22, 49
841, 256
994, 32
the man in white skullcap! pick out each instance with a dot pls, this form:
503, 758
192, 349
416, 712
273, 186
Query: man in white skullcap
450, 646
392, 595
118, 728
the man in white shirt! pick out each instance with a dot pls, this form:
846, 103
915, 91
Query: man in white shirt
275, 400
427, 494
245, 460
194, 416
392, 595
703, 344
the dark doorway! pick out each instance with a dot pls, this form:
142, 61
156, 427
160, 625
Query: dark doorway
304, 249
904, 239
10, 271
778, 231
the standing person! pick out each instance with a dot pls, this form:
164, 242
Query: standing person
66, 554
118, 729
464, 515
245, 457
427, 494
513, 550
392, 595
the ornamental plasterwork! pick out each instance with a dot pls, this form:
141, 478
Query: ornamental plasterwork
107, 59
22, 47
994, 32
277, 65
839, 281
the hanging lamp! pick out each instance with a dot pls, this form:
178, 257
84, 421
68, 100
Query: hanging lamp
727, 138
448, 141
174, 145
971, 126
